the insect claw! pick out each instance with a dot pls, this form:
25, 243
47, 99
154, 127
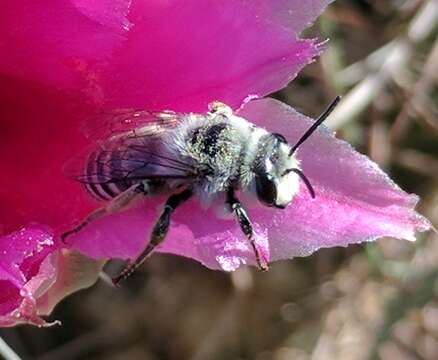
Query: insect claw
127, 271
116, 281
263, 267
65, 235
119, 278
262, 263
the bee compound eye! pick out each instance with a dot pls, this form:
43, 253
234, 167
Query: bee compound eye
266, 189
280, 138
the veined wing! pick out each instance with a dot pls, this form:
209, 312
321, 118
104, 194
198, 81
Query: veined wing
129, 122
130, 147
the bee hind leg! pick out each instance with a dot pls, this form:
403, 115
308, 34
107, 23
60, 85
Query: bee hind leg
116, 204
158, 234
246, 226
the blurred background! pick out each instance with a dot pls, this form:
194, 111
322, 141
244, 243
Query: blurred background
370, 301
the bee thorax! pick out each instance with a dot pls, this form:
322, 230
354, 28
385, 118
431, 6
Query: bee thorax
216, 147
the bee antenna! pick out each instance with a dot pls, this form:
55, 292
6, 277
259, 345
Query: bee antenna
305, 180
316, 124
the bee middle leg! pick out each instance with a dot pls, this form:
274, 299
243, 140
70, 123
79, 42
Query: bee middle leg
246, 226
158, 234
116, 204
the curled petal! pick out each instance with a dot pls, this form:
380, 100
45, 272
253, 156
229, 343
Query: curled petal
74, 272
35, 275
26, 266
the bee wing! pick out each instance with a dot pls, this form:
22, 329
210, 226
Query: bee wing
107, 124
129, 147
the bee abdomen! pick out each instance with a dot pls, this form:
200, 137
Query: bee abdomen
103, 181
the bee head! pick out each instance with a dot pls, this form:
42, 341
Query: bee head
275, 182
277, 171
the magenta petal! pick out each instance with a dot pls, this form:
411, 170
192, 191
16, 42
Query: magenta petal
26, 267
53, 42
22, 250
110, 13
293, 15
181, 56
196, 233
355, 200
35, 275
158, 54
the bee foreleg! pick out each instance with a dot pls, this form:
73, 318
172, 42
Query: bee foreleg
116, 204
158, 234
246, 226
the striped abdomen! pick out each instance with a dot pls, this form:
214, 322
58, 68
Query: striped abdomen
106, 180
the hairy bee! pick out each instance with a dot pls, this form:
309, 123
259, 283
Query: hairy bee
208, 156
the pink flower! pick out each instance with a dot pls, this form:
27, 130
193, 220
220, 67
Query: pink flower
63, 62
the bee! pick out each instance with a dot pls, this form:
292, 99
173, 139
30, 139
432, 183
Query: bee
209, 156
